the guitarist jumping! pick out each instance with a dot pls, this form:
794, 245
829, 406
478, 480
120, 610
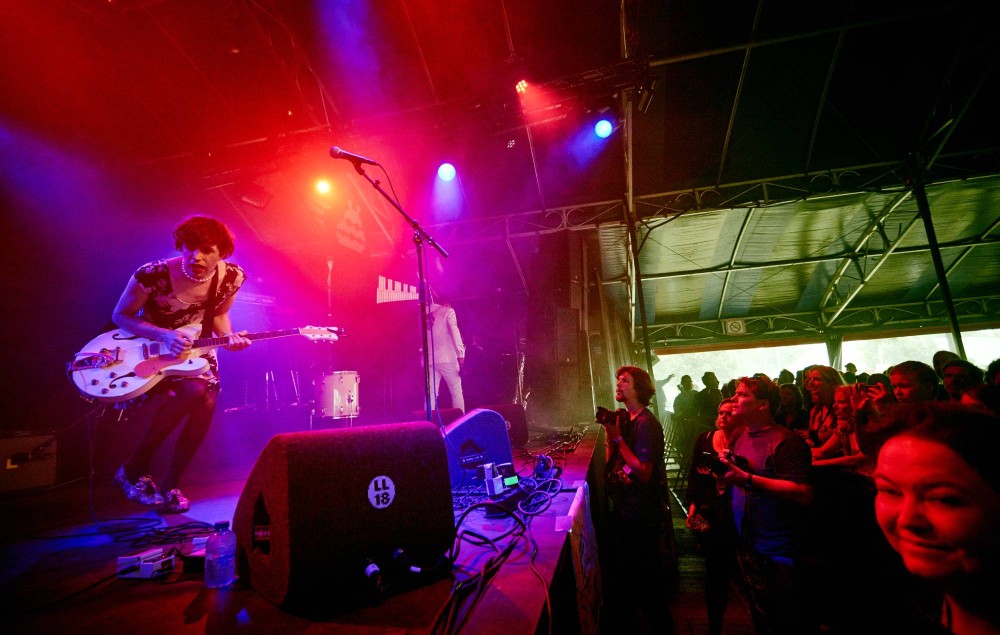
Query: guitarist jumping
161, 297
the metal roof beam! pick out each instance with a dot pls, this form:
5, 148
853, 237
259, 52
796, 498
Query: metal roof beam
873, 228
803, 261
593, 215
739, 92
732, 259
982, 310
983, 239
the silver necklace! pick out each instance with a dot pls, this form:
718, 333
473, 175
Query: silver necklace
190, 276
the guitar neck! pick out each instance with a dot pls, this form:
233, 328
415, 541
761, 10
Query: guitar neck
209, 342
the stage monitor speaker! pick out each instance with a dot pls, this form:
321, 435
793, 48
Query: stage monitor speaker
319, 508
516, 421
478, 437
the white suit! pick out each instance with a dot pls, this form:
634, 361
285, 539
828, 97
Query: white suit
447, 353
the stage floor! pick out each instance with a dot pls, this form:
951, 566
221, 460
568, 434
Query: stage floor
60, 548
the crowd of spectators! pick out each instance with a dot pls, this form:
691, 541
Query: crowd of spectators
839, 495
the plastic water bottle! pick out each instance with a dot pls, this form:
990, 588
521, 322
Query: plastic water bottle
220, 557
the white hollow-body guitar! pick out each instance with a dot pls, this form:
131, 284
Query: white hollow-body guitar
117, 366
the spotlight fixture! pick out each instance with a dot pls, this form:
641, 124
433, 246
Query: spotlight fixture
646, 93
255, 195
446, 172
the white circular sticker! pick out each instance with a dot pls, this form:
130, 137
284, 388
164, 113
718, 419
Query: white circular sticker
381, 492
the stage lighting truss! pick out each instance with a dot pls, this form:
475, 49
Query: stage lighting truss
585, 91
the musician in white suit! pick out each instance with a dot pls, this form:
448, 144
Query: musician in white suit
160, 297
447, 351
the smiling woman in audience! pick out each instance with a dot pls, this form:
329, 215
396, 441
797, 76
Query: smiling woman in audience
938, 504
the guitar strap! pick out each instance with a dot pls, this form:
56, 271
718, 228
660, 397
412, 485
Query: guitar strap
206, 321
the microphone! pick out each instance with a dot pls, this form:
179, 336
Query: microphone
337, 153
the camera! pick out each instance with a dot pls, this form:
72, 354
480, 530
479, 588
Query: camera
719, 468
607, 417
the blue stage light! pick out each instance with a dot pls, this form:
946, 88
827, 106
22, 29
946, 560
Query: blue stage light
604, 128
446, 172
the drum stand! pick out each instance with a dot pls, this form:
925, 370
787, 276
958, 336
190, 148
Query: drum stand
271, 390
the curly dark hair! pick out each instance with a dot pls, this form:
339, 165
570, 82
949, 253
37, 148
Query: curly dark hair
641, 380
197, 231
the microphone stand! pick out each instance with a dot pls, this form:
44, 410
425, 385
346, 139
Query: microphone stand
419, 238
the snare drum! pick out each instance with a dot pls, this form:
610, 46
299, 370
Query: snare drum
337, 394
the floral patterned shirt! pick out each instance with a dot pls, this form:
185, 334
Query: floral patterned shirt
166, 310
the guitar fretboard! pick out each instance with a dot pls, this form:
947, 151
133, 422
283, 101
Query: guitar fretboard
263, 335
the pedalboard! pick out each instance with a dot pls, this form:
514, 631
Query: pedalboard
148, 564
498, 477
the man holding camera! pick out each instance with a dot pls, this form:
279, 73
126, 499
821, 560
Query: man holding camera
770, 493
638, 511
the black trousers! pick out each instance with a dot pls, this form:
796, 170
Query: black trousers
635, 581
